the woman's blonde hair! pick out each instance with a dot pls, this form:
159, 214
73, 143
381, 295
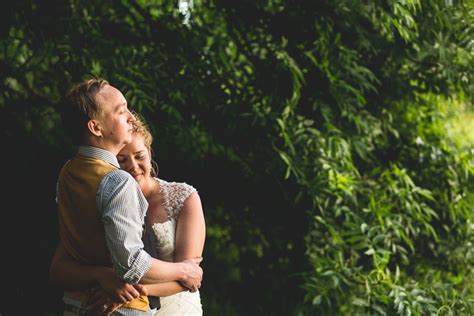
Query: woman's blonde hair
140, 127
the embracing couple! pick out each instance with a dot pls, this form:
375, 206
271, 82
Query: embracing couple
129, 242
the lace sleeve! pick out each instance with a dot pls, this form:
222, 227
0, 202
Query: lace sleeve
177, 194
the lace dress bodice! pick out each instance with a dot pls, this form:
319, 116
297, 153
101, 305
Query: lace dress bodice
174, 194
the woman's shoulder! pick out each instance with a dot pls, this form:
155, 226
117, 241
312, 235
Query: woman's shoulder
176, 186
174, 194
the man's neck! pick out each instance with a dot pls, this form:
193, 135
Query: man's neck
99, 143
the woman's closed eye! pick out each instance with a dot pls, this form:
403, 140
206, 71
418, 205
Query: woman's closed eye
140, 157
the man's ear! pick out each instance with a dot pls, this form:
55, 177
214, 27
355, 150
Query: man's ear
94, 127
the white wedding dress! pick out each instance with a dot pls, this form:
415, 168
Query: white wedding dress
174, 194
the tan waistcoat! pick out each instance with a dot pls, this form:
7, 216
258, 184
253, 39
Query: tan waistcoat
80, 228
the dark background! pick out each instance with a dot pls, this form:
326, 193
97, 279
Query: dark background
295, 120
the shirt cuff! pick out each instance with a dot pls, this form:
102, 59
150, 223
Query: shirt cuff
139, 267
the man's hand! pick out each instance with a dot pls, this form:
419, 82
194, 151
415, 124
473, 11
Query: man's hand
101, 303
193, 274
119, 290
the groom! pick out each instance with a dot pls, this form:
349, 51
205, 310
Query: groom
101, 208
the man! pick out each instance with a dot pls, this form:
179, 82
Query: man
101, 208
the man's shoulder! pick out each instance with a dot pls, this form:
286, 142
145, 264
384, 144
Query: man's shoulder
116, 176
117, 183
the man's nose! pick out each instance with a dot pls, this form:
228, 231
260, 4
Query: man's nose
131, 117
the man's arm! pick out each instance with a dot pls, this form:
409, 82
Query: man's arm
63, 272
67, 273
123, 208
187, 271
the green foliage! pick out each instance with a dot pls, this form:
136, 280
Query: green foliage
320, 135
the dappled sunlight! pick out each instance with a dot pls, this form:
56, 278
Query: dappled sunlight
462, 128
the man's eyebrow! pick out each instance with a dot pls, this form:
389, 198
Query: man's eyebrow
118, 106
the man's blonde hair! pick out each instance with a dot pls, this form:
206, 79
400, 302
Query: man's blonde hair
80, 105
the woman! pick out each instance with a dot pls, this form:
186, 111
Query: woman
176, 217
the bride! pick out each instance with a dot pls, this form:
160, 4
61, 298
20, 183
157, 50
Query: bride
176, 219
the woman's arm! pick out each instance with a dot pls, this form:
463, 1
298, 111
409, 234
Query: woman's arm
190, 235
191, 229
164, 289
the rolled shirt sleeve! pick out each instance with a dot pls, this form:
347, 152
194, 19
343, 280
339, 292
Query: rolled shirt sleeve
123, 208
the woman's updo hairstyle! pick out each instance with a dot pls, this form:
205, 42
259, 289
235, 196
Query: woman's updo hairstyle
140, 127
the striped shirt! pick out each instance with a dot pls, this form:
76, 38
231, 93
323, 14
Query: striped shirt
123, 207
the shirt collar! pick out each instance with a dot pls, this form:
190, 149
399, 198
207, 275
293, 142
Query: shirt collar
99, 153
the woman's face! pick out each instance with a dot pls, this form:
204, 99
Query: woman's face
135, 158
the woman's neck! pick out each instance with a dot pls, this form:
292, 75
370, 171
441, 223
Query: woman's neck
152, 188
